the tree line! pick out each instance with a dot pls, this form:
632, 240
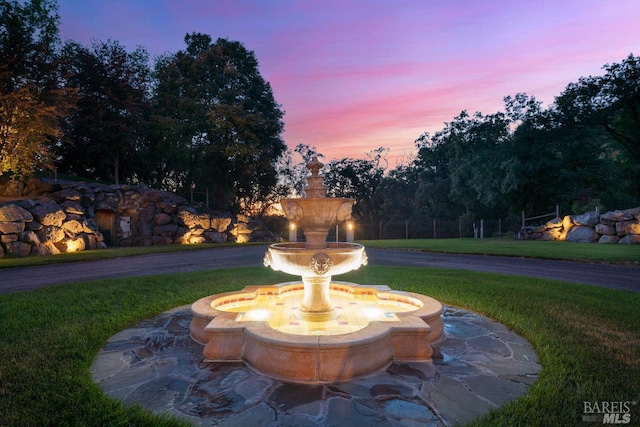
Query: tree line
580, 153
201, 116
205, 117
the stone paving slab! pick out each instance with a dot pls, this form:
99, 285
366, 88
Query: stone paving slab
154, 364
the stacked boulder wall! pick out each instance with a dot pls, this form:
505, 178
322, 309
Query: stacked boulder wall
47, 219
619, 226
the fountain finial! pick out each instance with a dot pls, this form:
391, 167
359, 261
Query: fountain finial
314, 166
314, 187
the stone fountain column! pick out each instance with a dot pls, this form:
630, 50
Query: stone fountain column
316, 214
316, 303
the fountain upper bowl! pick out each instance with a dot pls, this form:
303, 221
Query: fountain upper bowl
296, 259
319, 213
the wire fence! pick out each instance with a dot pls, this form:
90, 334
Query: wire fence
437, 229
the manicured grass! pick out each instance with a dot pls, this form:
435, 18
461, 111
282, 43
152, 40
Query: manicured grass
591, 252
587, 338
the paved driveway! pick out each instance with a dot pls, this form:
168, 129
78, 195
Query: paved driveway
24, 279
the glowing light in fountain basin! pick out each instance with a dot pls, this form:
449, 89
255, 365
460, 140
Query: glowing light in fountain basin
356, 306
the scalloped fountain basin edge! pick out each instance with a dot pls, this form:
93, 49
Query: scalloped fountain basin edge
405, 336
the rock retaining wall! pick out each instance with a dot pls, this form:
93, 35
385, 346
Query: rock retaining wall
50, 218
591, 227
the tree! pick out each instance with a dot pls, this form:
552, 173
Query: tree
466, 158
33, 99
359, 179
108, 128
433, 180
292, 174
610, 103
220, 120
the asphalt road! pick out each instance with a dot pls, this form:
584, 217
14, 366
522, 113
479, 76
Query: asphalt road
28, 278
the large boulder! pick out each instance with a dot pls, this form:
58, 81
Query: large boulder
33, 226
220, 224
554, 223
144, 222
161, 219
72, 207
90, 241
46, 248
11, 227
215, 237
552, 234
71, 245
609, 230
582, 234
630, 239
37, 187
73, 227
66, 194
182, 236
49, 213
4, 238
192, 219
627, 227
611, 217
17, 248
196, 239
150, 197
589, 218
29, 237
13, 212
51, 233
605, 238
167, 230
12, 188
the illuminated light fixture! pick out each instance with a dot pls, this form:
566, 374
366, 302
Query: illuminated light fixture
293, 235
350, 227
373, 313
257, 315
74, 245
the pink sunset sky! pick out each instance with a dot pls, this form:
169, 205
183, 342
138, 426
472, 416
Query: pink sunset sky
353, 76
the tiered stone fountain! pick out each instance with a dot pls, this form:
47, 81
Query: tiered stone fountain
317, 331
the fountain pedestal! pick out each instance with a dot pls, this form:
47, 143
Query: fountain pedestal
316, 305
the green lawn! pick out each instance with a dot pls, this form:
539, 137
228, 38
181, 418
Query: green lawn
590, 252
587, 338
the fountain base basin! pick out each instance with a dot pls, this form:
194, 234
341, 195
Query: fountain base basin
364, 336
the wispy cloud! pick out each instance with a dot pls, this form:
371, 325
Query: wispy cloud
356, 75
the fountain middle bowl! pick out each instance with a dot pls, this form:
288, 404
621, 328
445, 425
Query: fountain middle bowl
295, 258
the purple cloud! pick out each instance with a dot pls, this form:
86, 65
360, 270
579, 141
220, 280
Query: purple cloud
356, 75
